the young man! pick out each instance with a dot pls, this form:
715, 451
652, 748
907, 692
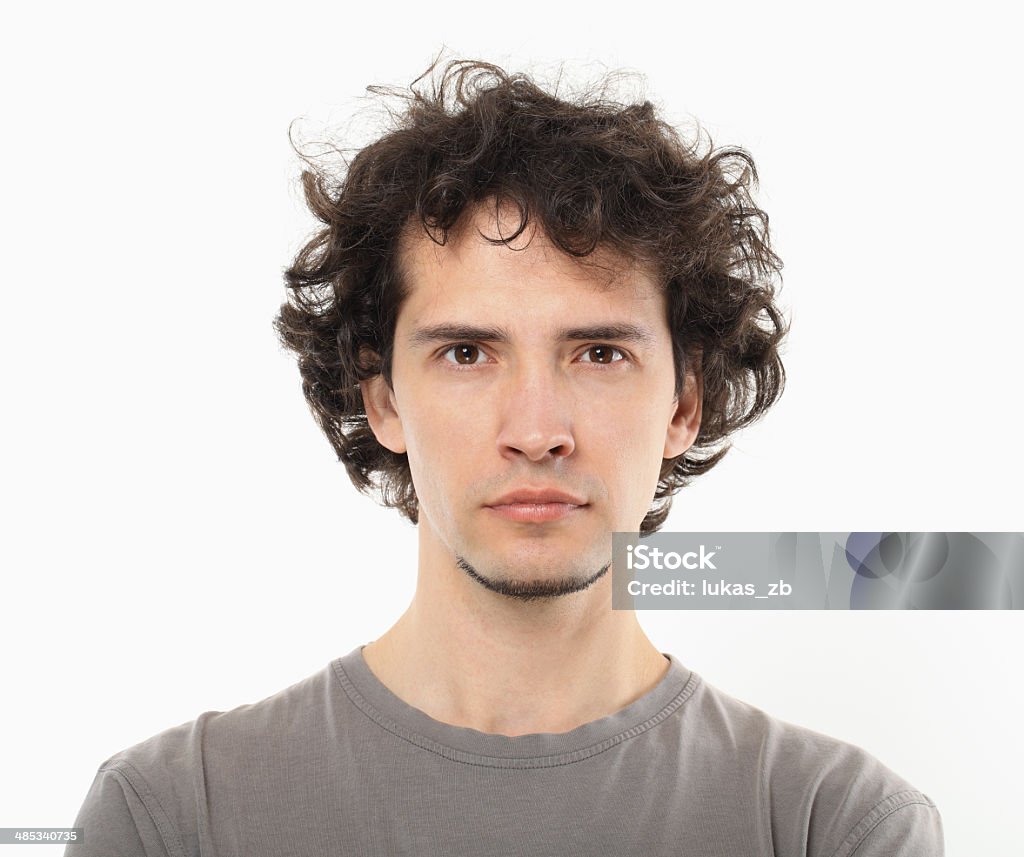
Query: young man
526, 322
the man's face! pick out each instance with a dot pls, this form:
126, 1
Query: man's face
535, 399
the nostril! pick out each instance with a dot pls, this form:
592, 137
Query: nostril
538, 448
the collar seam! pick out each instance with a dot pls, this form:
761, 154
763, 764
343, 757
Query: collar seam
550, 760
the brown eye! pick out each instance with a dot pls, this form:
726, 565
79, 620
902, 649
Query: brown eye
464, 354
602, 354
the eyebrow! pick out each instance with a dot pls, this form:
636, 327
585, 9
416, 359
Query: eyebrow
618, 332
472, 333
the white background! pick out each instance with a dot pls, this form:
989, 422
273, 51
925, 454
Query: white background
177, 535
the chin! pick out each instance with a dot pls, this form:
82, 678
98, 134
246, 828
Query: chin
533, 583
537, 565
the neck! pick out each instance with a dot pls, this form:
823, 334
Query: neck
470, 657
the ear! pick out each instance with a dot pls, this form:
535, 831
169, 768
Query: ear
382, 413
685, 423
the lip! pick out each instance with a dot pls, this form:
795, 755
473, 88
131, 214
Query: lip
536, 505
537, 496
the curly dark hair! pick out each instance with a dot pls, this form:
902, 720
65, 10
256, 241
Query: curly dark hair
591, 172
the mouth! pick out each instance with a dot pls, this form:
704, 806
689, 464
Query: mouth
536, 506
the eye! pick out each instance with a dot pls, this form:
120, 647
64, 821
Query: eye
602, 354
464, 354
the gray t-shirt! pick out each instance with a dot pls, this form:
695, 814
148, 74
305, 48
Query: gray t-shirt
338, 765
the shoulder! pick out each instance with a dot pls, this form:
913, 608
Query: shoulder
159, 783
169, 756
817, 794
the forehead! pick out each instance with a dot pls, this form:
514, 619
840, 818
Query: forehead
528, 277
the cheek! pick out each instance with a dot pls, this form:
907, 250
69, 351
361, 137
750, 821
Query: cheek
629, 443
439, 453
450, 424
641, 457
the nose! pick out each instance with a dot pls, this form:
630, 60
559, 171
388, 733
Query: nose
536, 417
